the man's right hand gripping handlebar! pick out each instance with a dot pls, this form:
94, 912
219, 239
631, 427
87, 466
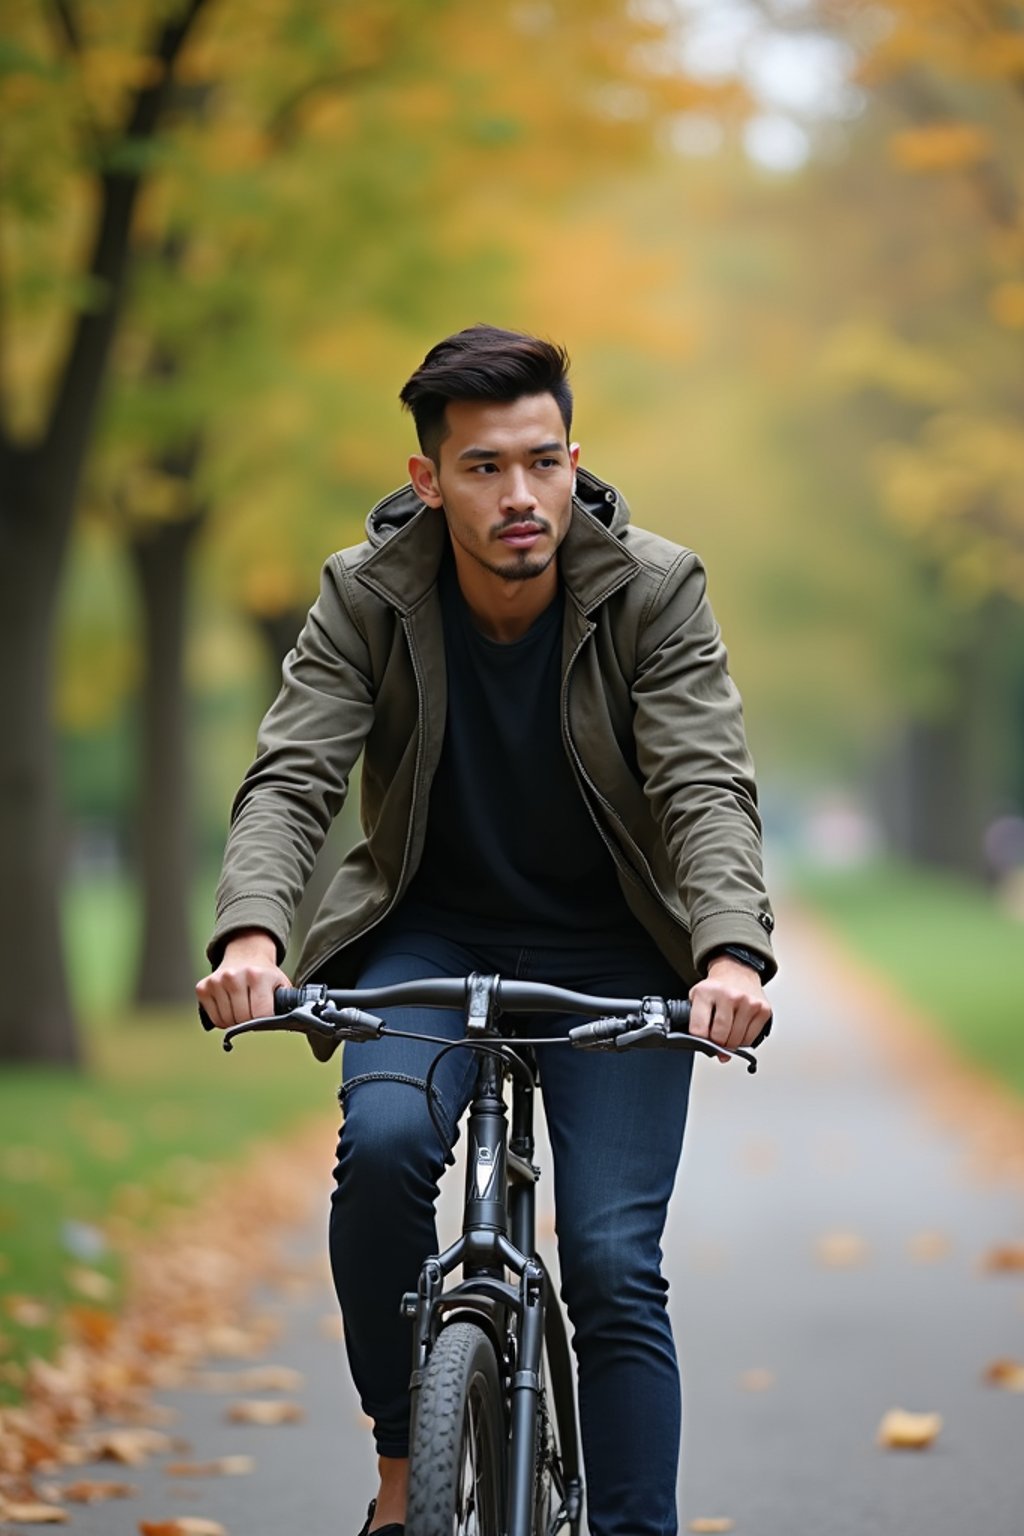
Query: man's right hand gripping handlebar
243, 985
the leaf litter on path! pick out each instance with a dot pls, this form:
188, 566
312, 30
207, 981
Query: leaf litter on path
903, 1431
187, 1299
184, 1525
221, 1466
1007, 1374
1004, 1259
265, 1411
841, 1250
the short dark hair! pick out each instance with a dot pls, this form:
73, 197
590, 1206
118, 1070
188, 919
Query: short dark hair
483, 362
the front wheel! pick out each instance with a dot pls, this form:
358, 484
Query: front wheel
456, 1454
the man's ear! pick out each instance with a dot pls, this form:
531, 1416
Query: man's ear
423, 474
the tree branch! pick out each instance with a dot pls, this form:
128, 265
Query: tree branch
68, 24
75, 400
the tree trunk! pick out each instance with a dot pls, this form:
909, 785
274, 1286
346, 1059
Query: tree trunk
36, 1019
166, 964
954, 772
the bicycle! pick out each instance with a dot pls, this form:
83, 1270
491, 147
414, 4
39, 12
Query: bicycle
494, 1448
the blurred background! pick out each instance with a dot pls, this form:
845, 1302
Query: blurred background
784, 244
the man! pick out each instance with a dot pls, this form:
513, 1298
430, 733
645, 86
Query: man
555, 784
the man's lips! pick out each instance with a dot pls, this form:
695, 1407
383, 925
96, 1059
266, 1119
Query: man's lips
521, 535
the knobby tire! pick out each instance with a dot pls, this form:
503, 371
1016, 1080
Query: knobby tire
457, 1449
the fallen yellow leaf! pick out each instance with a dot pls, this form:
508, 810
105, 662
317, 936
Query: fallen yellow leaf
1005, 1258
903, 1431
757, 1380
841, 1250
27, 1312
927, 1247
222, 1466
1008, 1374
130, 1446
185, 1525
256, 1410
33, 1514
712, 1523
94, 1491
90, 1283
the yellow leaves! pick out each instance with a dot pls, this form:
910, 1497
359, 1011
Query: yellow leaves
959, 488
31, 1512
709, 1525
265, 1412
110, 72
1004, 1259
841, 1250
867, 356
221, 1466
185, 1525
268, 590
1006, 305
131, 1447
27, 1312
947, 146
97, 1491
90, 1283
1006, 1374
903, 1431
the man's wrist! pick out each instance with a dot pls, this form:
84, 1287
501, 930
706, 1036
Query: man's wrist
252, 941
748, 957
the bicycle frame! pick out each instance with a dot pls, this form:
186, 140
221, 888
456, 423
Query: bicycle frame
498, 1235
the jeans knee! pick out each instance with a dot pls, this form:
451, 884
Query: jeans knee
388, 1143
608, 1280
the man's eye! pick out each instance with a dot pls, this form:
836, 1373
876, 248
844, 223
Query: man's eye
484, 469
547, 463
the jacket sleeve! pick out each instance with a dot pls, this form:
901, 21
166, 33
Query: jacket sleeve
307, 745
698, 774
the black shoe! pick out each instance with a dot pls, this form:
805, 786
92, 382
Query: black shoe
382, 1530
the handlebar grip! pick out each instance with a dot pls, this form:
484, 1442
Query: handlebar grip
287, 999
678, 1013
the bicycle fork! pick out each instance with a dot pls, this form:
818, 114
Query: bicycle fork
485, 1253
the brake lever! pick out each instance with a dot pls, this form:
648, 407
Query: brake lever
681, 1042
301, 1021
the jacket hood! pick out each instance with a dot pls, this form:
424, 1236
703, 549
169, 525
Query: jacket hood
601, 501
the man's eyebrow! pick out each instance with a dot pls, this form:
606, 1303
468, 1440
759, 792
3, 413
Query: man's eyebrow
496, 453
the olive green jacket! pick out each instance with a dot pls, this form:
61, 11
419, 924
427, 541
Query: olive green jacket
651, 721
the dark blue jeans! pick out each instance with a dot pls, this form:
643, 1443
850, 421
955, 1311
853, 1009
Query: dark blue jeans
616, 1129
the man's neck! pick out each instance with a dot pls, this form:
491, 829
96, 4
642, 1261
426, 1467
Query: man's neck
504, 610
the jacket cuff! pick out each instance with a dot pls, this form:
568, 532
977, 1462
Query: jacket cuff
247, 912
749, 930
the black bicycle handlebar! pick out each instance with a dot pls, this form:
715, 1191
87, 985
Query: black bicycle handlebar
635, 1023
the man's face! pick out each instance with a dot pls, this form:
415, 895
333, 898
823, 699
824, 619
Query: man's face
505, 481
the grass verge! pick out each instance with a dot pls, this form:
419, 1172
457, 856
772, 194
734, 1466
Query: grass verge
945, 943
89, 1159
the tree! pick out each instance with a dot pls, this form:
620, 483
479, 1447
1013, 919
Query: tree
40, 471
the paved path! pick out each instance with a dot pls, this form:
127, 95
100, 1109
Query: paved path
825, 1140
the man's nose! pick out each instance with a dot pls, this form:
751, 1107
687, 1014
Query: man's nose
517, 494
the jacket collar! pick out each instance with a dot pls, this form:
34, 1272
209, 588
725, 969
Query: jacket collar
593, 562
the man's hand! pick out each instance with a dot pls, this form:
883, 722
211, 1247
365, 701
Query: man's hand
729, 1006
242, 986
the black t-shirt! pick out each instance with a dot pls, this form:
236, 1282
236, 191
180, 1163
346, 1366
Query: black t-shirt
511, 847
